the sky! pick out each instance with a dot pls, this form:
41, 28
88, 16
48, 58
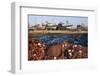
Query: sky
75, 20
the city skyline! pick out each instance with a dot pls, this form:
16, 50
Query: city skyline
73, 20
